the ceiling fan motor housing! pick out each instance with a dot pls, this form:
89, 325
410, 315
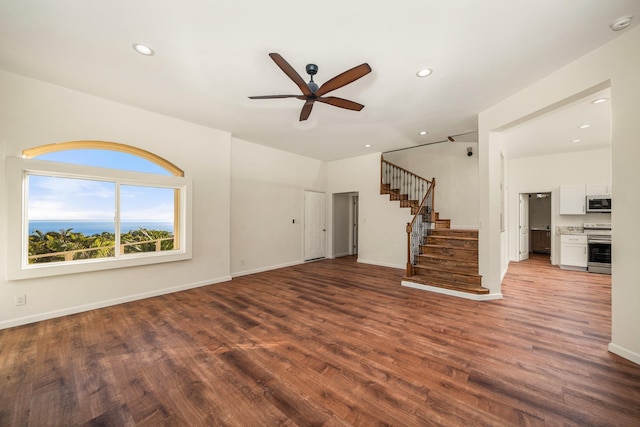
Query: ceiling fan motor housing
312, 70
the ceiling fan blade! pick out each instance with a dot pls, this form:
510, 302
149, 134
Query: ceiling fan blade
291, 73
344, 79
273, 96
341, 102
306, 109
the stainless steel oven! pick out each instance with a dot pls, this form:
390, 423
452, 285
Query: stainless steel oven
599, 247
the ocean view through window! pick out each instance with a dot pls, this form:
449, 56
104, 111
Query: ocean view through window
119, 206
96, 227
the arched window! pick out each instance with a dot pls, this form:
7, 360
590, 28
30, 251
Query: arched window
93, 205
104, 154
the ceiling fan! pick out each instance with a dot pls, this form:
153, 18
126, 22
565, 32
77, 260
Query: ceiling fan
312, 93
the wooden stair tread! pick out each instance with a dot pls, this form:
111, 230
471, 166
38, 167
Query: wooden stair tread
431, 245
445, 270
440, 257
447, 262
453, 241
456, 232
437, 259
452, 237
448, 275
473, 230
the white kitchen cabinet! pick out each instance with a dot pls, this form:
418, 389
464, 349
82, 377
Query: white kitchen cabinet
573, 252
598, 189
572, 199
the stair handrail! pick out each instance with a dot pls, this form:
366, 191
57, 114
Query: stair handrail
398, 181
414, 249
424, 199
409, 189
382, 160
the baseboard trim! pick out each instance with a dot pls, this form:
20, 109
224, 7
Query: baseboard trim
106, 303
263, 269
381, 264
623, 352
451, 292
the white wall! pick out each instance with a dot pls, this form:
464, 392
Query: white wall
546, 174
382, 223
267, 195
33, 113
245, 198
456, 177
617, 62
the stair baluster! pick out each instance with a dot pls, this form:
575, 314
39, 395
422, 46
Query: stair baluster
415, 192
419, 228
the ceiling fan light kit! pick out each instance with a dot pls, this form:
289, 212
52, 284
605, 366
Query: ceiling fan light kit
311, 92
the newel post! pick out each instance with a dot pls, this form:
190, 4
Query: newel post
409, 265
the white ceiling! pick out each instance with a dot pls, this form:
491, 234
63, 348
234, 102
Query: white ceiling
559, 131
211, 55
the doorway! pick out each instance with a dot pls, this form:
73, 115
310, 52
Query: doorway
345, 224
534, 224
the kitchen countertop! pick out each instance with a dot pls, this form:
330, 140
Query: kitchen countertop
564, 229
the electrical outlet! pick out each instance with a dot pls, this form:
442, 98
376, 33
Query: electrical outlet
21, 299
241, 262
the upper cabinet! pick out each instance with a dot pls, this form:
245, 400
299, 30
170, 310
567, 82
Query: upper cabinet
572, 199
598, 189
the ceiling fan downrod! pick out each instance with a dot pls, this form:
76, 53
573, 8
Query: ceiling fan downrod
312, 70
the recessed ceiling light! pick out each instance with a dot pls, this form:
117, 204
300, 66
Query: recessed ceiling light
423, 133
584, 126
424, 72
599, 100
367, 145
576, 140
142, 49
621, 23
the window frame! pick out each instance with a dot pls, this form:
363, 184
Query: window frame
17, 240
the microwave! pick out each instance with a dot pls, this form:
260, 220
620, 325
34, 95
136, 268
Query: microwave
599, 203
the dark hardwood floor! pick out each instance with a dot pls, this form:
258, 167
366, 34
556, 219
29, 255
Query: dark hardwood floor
329, 343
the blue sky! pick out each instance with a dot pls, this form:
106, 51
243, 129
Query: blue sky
80, 199
106, 159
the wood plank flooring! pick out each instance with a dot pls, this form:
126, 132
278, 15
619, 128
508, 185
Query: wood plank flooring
329, 343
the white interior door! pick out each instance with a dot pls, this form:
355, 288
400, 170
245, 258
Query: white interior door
314, 225
524, 226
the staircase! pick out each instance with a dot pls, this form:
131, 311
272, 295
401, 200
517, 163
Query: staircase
395, 195
449, 260
438, 256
